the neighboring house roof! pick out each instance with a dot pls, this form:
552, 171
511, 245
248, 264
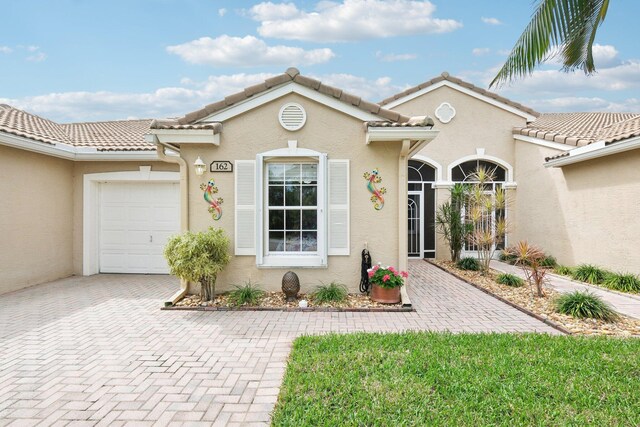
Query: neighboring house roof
445, 76
580, 129
292, 75
121, 135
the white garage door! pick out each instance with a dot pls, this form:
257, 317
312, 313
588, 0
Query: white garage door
136, 220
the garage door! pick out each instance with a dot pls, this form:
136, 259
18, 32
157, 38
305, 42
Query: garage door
136, 219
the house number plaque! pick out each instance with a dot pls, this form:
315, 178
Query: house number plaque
222, 166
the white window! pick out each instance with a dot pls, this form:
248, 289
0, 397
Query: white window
299, 211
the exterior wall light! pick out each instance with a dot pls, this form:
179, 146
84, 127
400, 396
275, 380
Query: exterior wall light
200, 166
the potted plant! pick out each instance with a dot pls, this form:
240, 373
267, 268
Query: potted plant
386, 283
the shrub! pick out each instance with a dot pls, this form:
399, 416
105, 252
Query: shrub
509, 280
563, 270
548, 261
625, 282
529, 257
449, 221
507, 257
585, 305
249, 294
469, 263
589, 273
333, 292
199, 257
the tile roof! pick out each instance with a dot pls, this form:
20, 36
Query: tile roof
292, 74
446, 76
580, 129
121, 135
418, 121
174, 125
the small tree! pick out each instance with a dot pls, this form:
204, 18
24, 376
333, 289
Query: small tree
199, 257
450, 222
530, 258
483, 203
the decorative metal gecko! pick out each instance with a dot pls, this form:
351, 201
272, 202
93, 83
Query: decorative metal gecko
374, 178
209, 190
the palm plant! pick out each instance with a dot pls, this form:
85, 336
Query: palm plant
529, 258
449, 221
562, 28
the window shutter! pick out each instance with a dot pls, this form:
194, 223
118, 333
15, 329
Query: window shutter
338, 207
245, 226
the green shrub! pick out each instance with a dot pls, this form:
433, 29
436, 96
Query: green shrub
585, 305
510, 280
548, 261
333, 292
563, 270
589, 273
248, 294
469, 263
507, 257
625, 282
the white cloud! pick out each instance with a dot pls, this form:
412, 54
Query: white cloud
394, 57
480, 51
246, 51
222, 11
349, 20
605, 56
584, 104
491, 21
5, 49
32, 48
373, 90
37, 57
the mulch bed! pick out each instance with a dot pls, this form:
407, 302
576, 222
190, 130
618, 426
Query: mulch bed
276, 301
544, 307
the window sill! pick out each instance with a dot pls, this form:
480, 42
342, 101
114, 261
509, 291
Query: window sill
279, 261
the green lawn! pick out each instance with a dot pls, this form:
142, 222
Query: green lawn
445, 379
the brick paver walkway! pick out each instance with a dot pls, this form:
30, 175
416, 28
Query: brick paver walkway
98, 351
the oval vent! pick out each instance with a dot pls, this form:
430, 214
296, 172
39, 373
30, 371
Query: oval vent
292, 116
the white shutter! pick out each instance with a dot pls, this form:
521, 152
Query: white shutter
338, 207
245, 227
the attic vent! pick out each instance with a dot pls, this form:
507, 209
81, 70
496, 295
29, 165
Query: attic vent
292, 116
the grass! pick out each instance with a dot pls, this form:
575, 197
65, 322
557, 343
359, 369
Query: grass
624, 282
468, 263
585, 305
549, 261
333, 292
589, 273
563, 270
248, 294
510, 280
416, 379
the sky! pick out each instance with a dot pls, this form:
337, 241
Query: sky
90, 60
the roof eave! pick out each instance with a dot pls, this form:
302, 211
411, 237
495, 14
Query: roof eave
594, 151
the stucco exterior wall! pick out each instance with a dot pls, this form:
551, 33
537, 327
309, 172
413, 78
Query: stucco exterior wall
327, 131
82, 168
580, 213
476, 125
35, 218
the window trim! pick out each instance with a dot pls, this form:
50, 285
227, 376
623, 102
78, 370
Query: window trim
264, 259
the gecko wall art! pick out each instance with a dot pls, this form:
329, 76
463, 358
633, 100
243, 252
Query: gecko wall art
214, 202
377, 198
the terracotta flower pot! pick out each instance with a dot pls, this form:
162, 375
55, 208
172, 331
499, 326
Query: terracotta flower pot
385, 295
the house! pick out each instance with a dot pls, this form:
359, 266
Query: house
294, 170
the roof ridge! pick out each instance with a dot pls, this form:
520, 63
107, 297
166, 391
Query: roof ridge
292, 74
448, 77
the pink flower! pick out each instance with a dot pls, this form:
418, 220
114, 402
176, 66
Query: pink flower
393, 270
386, 277
376, 267
404, 274
371, 273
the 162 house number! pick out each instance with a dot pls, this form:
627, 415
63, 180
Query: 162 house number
221, 166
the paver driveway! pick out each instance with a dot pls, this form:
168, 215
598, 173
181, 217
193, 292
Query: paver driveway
98, 351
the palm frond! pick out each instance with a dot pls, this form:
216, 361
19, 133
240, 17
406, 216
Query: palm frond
558, 27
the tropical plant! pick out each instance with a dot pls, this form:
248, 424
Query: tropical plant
563, 270
589, 273
529, 258
487, 230
505, 256
625, 282
510, 280
247, 294
468, 263
386, 277
558, 28
199, 257
449, 221
549, 261
585, 305
333, 292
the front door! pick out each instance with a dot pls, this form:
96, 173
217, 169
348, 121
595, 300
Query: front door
416, 225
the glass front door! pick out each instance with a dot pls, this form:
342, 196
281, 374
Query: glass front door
416, 225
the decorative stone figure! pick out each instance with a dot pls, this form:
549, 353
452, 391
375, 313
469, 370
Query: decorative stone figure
290, 285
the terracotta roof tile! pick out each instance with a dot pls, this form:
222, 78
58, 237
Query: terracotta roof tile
446, 76
27, 125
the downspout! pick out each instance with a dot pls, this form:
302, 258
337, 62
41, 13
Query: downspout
184, 204
403, 164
